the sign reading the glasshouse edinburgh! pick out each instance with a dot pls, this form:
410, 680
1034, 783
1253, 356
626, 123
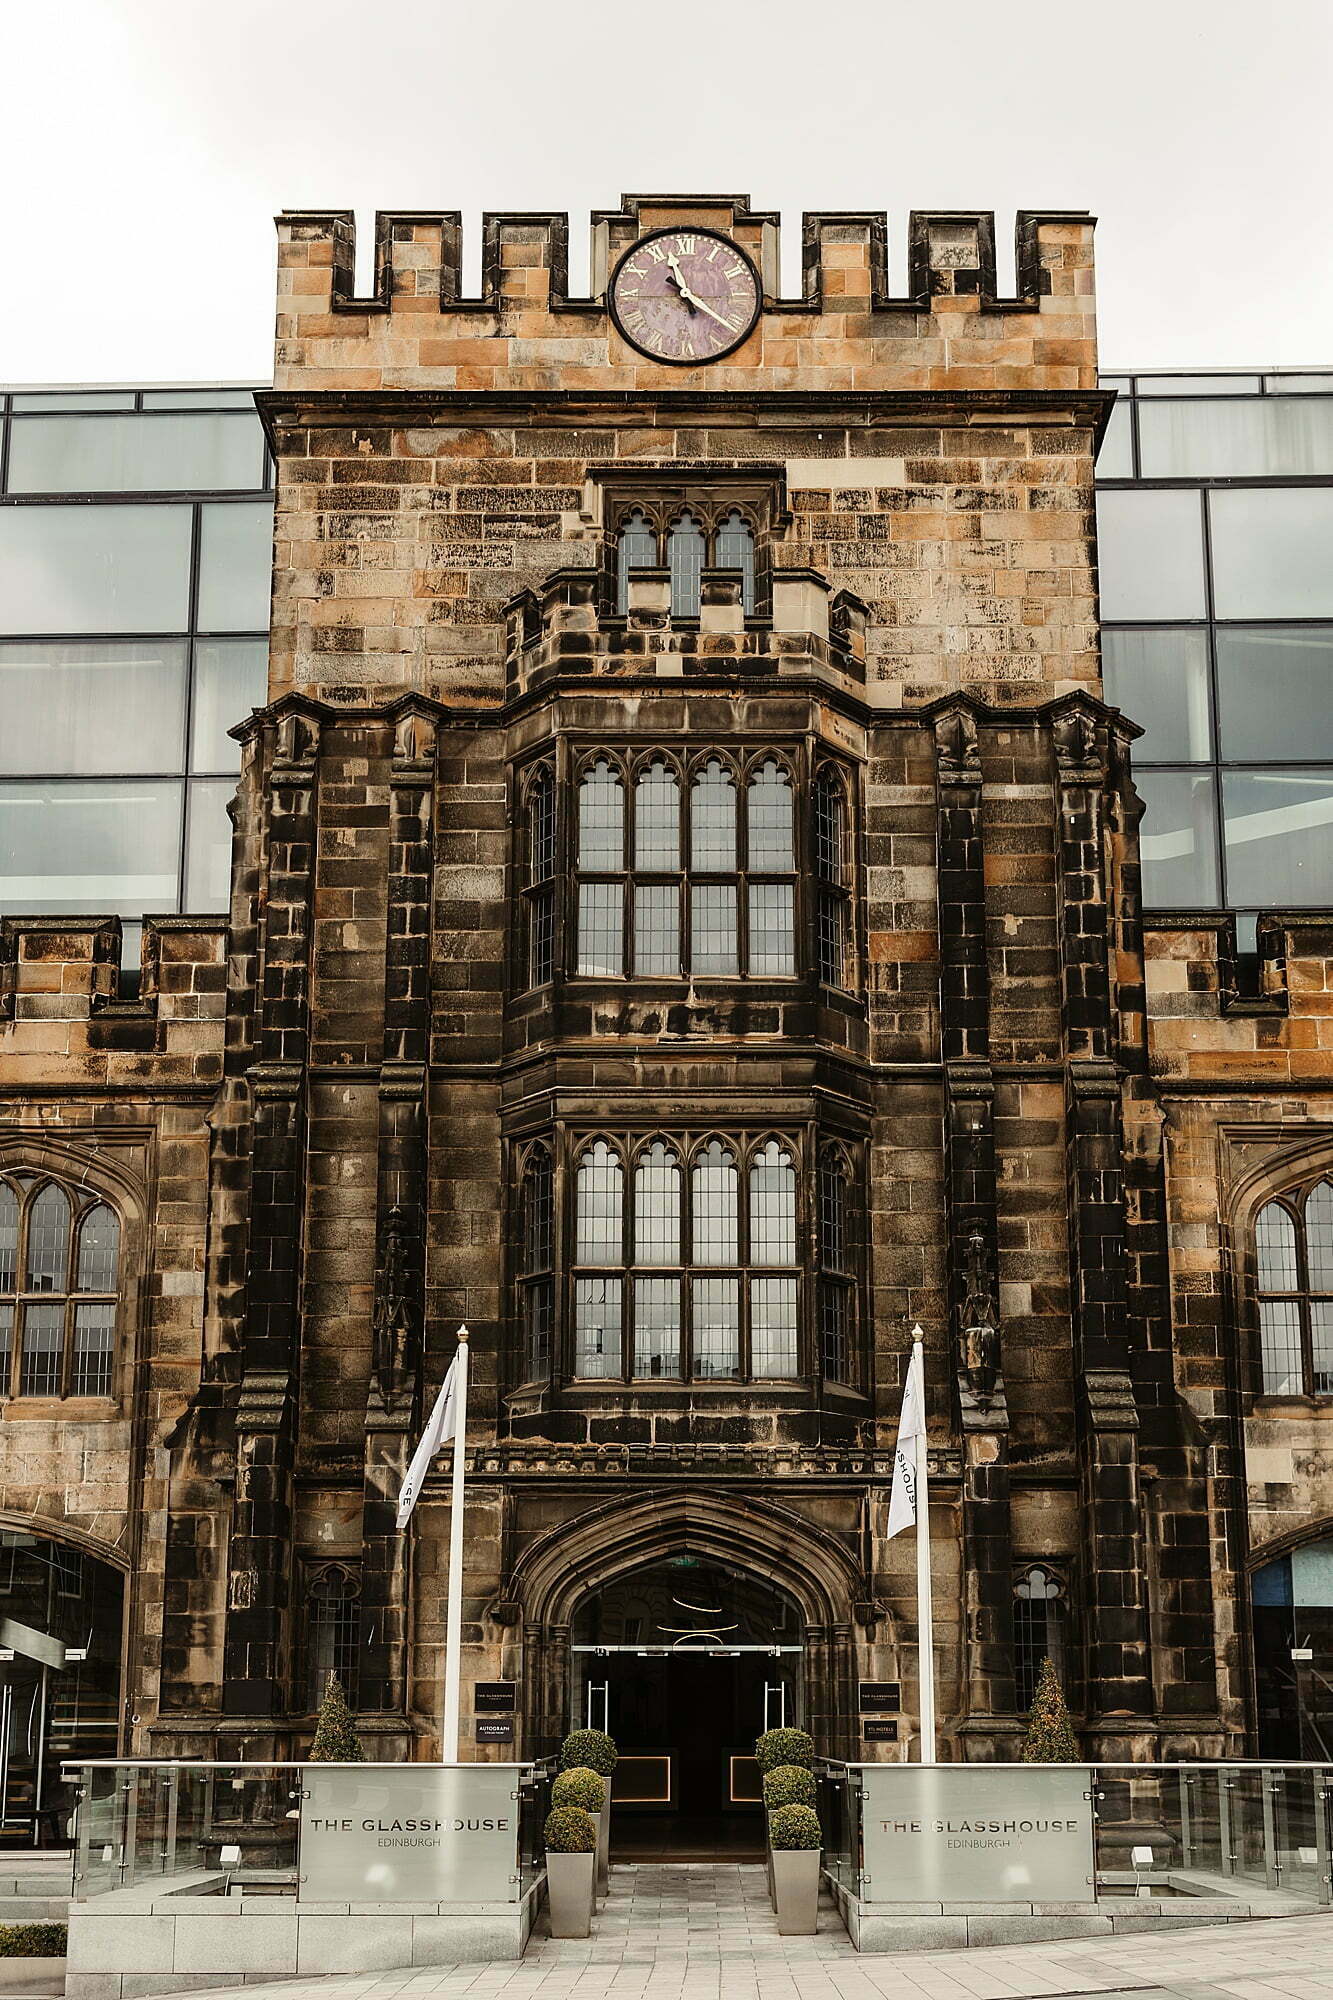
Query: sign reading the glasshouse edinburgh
995, 1833
435, 1833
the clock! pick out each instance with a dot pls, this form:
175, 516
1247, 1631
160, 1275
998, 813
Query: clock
685, 295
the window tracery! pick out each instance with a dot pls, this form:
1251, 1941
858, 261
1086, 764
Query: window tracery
686, 541
1293, 1249
59, 1256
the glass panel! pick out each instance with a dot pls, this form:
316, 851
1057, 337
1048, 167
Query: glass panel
601, 943
713, 929
200, 399
734, 549
657, 1207
772, 1207
541, 937
1150, 555
95, 569
685, 557
829, 827
1271, 552
1160, 680
1321, 1336
773, 1326
208, 844
657, 819
1319, 1238
1280, 1346
1276, 825
99, 1245
715, 1198
770, 828
541, 827
9, 1238
599, 1232
230, 679
601, 819
1178, 841
1299, 385
717, 1328
76, 399
1198, 385
834, 1347
713, 819
539, 1328
657, 1327
636, 548
73, 708
1115, 460
538, 1213
1273, 692
43, 1341
94, 1348
597, 1351
657, 929
1250, 440
831, 939
136, 454
772, 930
235, 566
6, 1348
48, 1242
1275, 1249
832, 1214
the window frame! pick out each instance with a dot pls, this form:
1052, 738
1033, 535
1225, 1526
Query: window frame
1293, 1202
539, 893
711, 506
317, 1574
832, 887
1056, 1637
29, 1185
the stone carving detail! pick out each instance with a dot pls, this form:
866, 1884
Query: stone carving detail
396, 1327
1077, 752
980, 1332
957, 745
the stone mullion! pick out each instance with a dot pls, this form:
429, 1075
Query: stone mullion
1115, 1651
971, 1178
393, 1399
260, 1550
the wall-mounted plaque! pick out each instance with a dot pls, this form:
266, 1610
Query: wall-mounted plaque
495, 1728
1002, 1833
879, 1732
875, 1697
374, 1833
493, 1697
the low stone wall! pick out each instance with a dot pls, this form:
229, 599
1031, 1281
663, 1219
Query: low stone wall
149, 1940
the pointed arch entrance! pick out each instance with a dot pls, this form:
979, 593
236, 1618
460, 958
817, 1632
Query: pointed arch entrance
765, 1634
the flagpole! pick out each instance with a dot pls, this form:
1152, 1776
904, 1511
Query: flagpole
925, 1620
453, 1622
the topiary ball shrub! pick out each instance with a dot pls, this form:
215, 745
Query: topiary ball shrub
588, 1750
570, 1830
579, 1787
789, 1785
794, 1827
783, 1746
33, 1940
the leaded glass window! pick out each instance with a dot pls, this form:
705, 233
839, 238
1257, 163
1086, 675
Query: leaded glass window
836, 1288
686, 544
537, 1262
541, 827
59, 1279
1293, 1253
636, 548
733, 548
832, 895
331, 1625
695, 538
1038, 1631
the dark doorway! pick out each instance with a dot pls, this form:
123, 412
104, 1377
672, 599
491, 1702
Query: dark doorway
685, 1663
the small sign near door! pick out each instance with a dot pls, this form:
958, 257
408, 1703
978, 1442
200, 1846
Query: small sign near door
493, 1697
879, 1732
495, 1729
879, 1696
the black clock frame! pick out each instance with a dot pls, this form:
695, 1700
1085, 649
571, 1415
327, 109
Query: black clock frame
679, 360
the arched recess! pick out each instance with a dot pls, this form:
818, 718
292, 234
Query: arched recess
1278, 1174
571, 1562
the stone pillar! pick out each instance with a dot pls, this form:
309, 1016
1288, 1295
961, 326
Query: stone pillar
259, 1569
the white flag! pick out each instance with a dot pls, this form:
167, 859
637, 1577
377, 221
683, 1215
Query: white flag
911, 1425
439, 1429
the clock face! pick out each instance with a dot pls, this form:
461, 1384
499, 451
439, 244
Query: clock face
685, 295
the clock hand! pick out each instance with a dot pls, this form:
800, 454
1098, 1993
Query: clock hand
704, 306
679, 282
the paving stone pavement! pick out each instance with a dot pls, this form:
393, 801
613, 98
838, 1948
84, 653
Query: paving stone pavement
706, 1932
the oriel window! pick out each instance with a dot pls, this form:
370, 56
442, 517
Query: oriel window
691, 540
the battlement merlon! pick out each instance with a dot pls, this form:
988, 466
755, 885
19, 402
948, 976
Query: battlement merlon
524, 331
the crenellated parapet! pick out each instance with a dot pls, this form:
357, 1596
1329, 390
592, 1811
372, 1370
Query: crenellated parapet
417, 329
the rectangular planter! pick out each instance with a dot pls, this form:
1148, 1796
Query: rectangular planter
796, 1890
570, 1880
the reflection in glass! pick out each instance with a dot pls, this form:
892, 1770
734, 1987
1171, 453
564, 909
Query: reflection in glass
1271, 551
43, 1342
1198, 385
99, 1246
734, 549
1275, 1248
48, 1242
136, 454
717, 1328
1273, 692
599, 1207
596, 1327
770, 820
1150, 555
773, 1326
715, 1202
713, 819
657, 1327
96, 569
1160, 680
601, 819
230, 679
1178, 839
636, 548
772, 1206
713, 947
208, 844
9, 1237
1277, 831
601, 944
235, 564
657, 1207
1115, 460
657, 818
71, 706
772, 930
96, 846
1319, 1238
656, 929
94, 1346
1258, 439
685, 558
1280, 1347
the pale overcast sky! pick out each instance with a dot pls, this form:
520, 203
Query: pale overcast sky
146, 144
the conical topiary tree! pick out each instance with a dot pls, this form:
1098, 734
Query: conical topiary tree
336, 1740
1050, 1737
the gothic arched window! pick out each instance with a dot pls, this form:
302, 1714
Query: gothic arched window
733, 548
537, 1262
773, 1337
832, 893
1038, 1630
1293, 1247
771, 853
636, 548
599, 1240
541, 830
686, 545
836, 1285
59, 1255
332, 1632
601, 861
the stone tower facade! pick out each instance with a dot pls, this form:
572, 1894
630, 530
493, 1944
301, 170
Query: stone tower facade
455, 1043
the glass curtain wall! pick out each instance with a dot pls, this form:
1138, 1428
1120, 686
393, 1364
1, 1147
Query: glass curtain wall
135, 549
1215, 528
